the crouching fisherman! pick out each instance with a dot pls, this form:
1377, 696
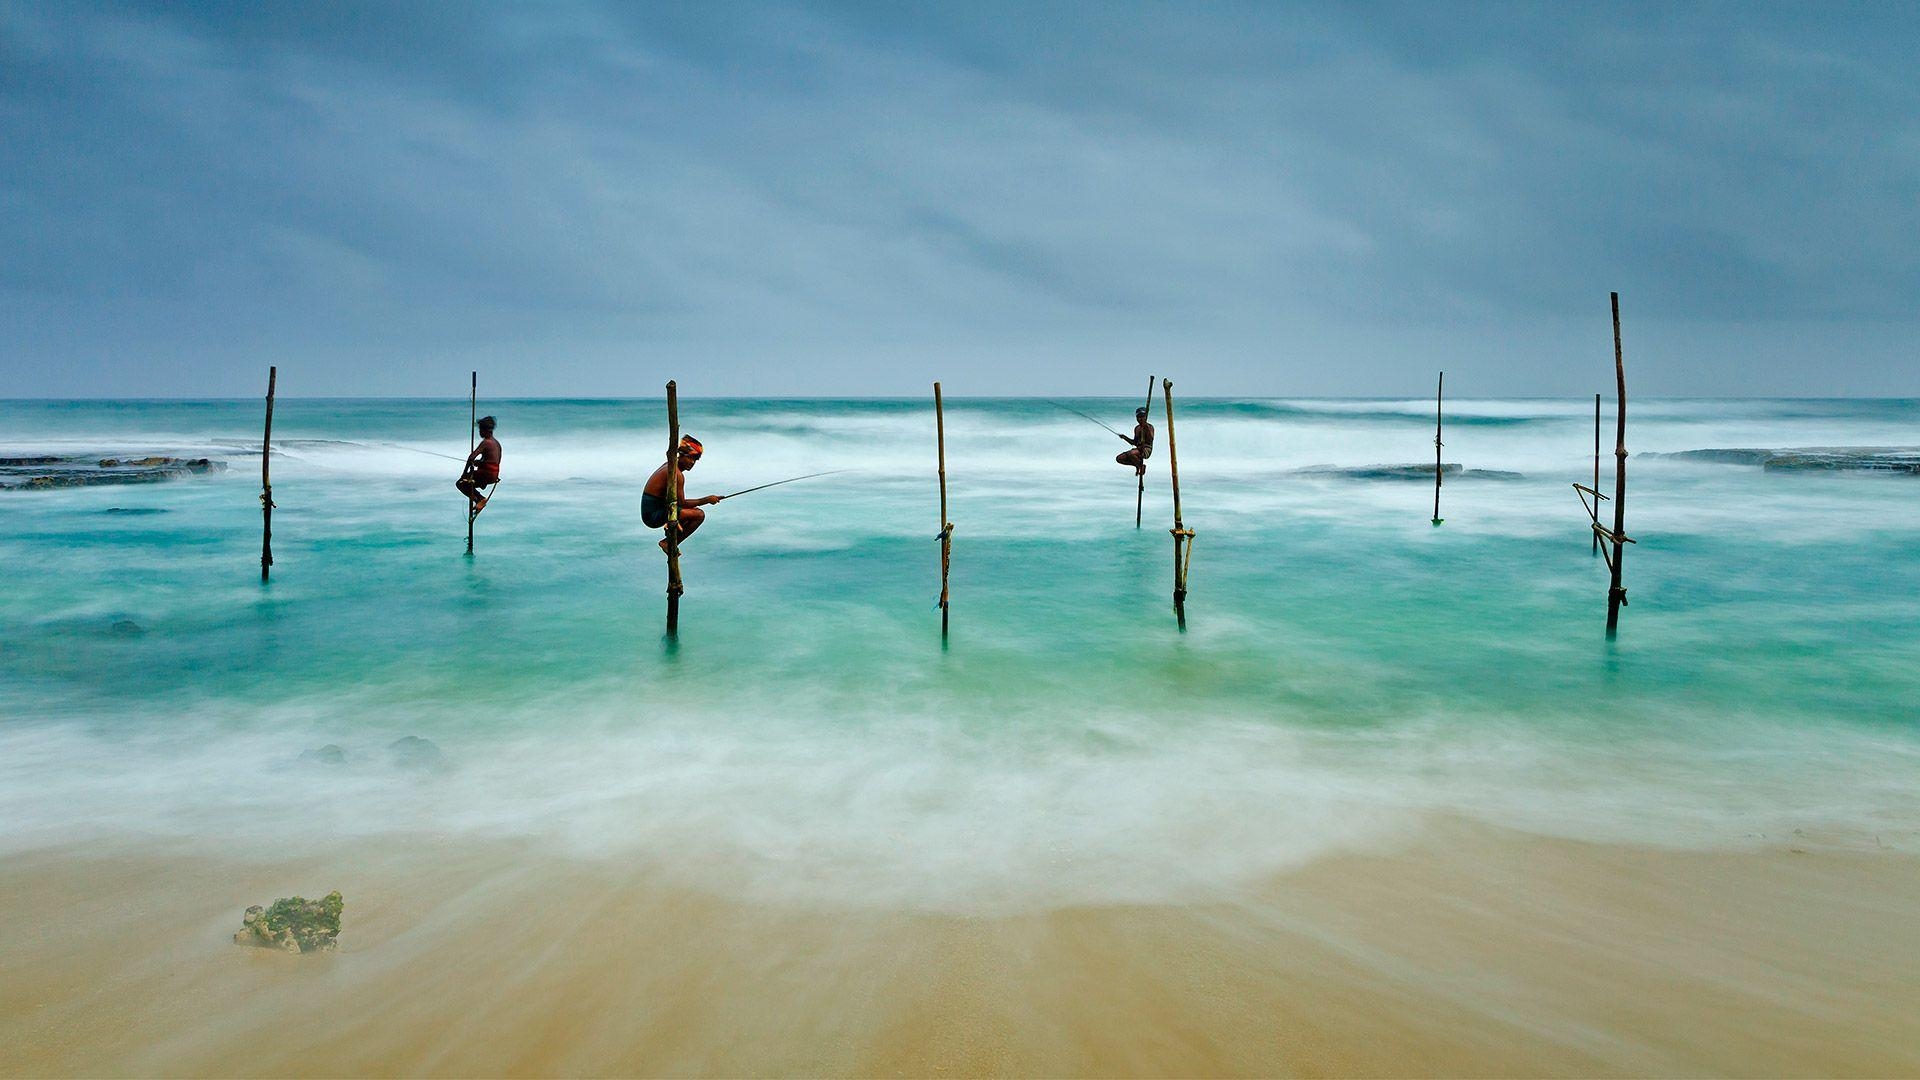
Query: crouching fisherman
483, 467
653, 500
1142, 441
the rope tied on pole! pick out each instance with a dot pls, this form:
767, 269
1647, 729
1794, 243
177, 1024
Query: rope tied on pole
1140, 480
675, 587
473, 427
1439, 393
1182, 536
266, 478
946, 527
1616, 590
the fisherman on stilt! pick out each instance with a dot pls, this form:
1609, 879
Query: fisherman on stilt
483, 467
653, 500
1142, 441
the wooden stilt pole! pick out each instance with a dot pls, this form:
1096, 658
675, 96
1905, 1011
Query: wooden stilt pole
473, 412
1438, 393
674, 586
1182, 536
1596, 465
1616, 593
266, 480
946, 527
1140, 490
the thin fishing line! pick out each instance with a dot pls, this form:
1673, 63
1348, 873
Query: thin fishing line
1077, 412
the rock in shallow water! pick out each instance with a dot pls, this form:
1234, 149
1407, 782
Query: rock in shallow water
293, 924
43, 472
1881, 459
128, 628
1450, 471
414, 752
325, 755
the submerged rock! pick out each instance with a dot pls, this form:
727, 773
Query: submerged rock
414, 752
128, 628
1884, 459
325, 755
45, 471
293, 924
1379, 472
134, 511
1448, 470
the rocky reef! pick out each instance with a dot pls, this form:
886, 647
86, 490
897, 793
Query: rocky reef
293, 924
1448, 471
1880, 459
40, 472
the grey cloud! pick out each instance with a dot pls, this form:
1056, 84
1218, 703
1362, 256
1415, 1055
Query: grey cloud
833, 199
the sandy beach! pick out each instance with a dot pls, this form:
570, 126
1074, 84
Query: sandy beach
1469, 952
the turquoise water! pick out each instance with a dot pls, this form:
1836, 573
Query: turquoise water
1350, 672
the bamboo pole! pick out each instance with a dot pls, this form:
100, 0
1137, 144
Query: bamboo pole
1140, 491
473, 412
674, 585
1438, 393
1596, 468
266, 480
1616, 593
1182, 536
946, 527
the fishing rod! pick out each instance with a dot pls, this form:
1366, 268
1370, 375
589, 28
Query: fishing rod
1077, 412
789, 480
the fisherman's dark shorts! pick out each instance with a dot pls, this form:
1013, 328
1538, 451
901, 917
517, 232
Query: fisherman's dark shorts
653, 511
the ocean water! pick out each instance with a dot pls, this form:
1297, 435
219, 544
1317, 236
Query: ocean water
1351, 674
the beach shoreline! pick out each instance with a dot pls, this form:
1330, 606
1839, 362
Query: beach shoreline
1469, 950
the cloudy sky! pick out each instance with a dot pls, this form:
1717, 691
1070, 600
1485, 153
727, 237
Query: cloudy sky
827, 199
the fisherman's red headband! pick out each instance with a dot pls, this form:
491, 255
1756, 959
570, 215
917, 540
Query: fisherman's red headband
691, 447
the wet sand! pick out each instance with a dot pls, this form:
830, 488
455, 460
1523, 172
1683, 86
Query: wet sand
1470, 952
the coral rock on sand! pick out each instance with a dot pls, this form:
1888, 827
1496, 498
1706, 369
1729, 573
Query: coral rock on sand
293, 924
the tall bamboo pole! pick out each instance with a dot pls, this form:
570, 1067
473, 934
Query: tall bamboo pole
1438, 393
674, 586
1140, 491
946, 527
1616, 593
1596, 464
1182, 536
473, 412
266, 480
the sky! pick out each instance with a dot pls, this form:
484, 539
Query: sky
586, 199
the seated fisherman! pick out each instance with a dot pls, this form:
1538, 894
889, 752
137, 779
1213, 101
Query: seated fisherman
483, 467
653, 500
1142, 444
